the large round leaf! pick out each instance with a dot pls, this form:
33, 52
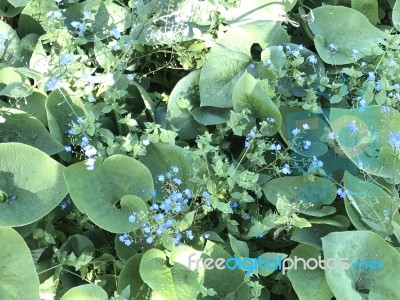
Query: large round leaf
369, 206
184, 97
379, 281
18, 275
345, 28
176, 283
256, 95
31, 182
9, 40
23, 128
229, 59
296, 189
111, 192
365, 138
87, 292
315, 287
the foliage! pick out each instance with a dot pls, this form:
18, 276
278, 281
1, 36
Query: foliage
142, 140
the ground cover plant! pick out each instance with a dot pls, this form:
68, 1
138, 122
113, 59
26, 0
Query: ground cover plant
143, 144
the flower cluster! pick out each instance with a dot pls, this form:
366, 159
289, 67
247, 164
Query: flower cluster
163, 215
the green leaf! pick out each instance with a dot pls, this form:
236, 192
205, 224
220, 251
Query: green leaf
11, 42
315, 287
223, 281
301, 191
256, 95
367, 7
239, 248
34, 179
87, 292
251, 10
229, 59
396, 15
273, 262
356, 281
130, 277
111, 192
367, 203
16, 268
33, 18
208, 115
187, 221
160, 157
346, 28
18, 3
183, 98
107, 16
61, 110
23, 128
17, 90
373, 129
176, 283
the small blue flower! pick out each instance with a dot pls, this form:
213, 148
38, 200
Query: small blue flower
371, 76
307, 145
352, 126
128, 242
177, 238
161, 178
68, 148
91, 99
312, 59
174, 169
13, 197
130, 76
333, 47
295, 131
116, 33
189, 234
385, 109
246, 144
149, 240
66, 59
247, 217
206, 235
341, 193
234, 205
177, 181
132, 217
63, 206
286, 169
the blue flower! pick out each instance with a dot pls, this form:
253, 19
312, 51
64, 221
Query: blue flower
385, 109
295, 131
54, 83
177, 238
234, 205
68, 148
333, 47
161, 178
149, 239
91, 99
175, 169
341, 193
177, 181
247, 216
307, 145
352, 126
189, 234
132, 217
63, 206
371, 76
116, 33
66, 59
206, 235
130, 76
154, 206
286, 169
